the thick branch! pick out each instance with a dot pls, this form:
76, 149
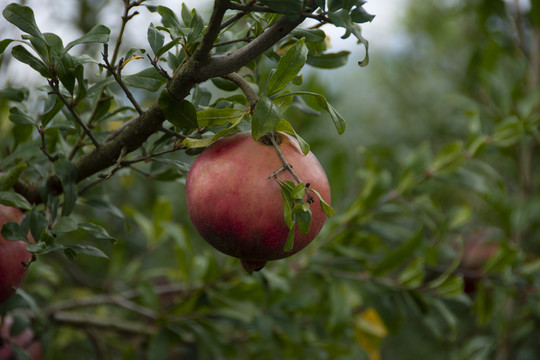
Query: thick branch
200, 67
229, 63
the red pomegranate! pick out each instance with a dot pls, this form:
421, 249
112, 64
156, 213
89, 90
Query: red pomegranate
13, 255
236, 205
25, 339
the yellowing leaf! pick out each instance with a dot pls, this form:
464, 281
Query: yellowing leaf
369, 332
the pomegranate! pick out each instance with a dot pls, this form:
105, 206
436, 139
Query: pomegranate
24, 339
13, 255
236, 204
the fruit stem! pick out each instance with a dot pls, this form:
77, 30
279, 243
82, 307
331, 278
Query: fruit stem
286, 165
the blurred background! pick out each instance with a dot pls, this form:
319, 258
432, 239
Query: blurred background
433, 252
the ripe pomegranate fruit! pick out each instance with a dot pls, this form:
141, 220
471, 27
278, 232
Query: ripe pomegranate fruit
236, 205
25, 339
13, 255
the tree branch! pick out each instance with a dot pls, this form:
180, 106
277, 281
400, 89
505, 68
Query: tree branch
198, 68
229, 63
251, 95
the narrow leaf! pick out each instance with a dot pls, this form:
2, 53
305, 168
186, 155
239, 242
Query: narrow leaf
96, 231
155, 39
20, 53
10, 198
23, 18
400, 255
213, 117
327, 209
289, 244
149, 79
98, 34
67, 172
181, 114
288, 67
87, 250
12, 231
265, 117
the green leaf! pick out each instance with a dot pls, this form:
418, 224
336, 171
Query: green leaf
12, 231
181, 114
199, 143
4, 44
155, 39
86, 250
448, 160
338, 120
9, 178
289, 244
149, 79
303, 220
20, 53
16, 116
65, 224
359, 15
285, 126
224, 84
214, 117
169, 20
10, 198
186, 15
37, 223
98, 34
400, 255
328, 60
23, 18
14, 94
287, 205
96, 231
299, 191
311, 35
265, 117
67, 172
327, 209
288, 67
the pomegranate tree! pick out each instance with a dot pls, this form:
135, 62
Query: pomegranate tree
13, 255
244, 202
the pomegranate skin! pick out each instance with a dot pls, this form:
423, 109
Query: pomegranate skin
237, 207
12, 255
25, 339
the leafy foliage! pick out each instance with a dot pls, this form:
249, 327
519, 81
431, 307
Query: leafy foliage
439, 159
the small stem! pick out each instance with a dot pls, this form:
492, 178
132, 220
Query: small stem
286, 165
171, 132
117, 166
71, 108
43, 147
116, 73
251, 95
159, 69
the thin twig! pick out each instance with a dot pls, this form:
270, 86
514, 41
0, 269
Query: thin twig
159, 69
128, 5
70, 106
288, 166
43, 147
116, 166
117, 76
251, 95
171, 132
